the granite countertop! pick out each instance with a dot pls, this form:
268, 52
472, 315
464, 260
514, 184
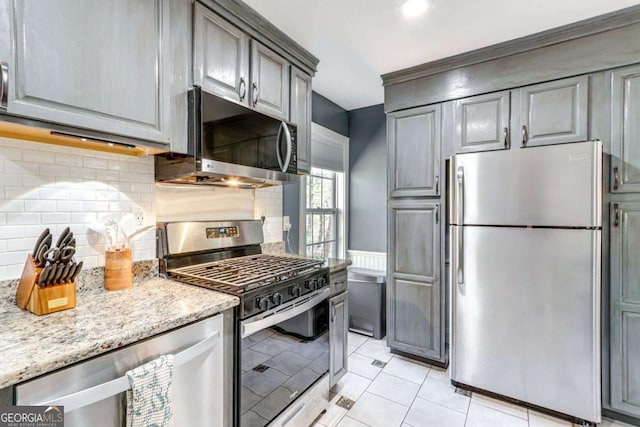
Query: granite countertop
32, 345
336, 264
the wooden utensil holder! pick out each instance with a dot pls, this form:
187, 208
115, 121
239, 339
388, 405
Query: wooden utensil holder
37, 300
118, 272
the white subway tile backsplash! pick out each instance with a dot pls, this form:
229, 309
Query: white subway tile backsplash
11, 231
106, 175
94, 163
69, 206
13, 245
141, 168
13, 206
23, 218
21, 168
11, 153
19, 193
66, 160
120, 206
54, 170
120, 166
80, 172
37, 157
3, 218
53, 193
13, 258
56, 218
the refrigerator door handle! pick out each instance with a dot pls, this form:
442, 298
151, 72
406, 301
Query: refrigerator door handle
459, 229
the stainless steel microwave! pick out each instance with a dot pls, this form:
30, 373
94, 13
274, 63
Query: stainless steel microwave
230, 143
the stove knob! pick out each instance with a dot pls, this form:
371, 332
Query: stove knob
321, 282
295, 291
263, 303
276, 299
312, 285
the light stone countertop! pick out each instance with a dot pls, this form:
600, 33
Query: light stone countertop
336, 264
33, 345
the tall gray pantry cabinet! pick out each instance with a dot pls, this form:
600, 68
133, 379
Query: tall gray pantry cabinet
415, 289
570, 84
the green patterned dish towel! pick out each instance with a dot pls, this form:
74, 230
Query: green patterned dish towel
149, 400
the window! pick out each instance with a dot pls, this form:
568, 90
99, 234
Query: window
322, 213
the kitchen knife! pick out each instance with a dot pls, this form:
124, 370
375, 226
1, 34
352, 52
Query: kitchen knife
67, 239
48, 281
56, 277
77, 271
40, 240
62, 236
40, 261
72, 243
65, 273
72, 269
49, 240
44, 275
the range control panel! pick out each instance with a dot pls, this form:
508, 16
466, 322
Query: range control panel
220, 232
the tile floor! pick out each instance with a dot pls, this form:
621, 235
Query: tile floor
406, 393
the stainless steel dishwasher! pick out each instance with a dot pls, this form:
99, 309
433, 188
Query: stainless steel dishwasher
92, 391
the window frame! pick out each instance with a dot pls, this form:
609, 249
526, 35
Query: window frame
328, 136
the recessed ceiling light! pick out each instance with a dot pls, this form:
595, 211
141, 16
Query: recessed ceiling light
414, 8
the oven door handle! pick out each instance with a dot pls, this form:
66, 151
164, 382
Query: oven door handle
265, 320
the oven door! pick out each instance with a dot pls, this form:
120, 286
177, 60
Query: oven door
281, 361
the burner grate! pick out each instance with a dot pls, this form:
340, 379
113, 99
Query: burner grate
239, 274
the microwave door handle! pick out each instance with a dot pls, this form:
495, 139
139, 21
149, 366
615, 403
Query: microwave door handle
278, 141
287, 134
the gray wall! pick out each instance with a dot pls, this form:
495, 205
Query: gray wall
329, 115
326, 114
368, 179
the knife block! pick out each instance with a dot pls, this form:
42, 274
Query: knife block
30, 296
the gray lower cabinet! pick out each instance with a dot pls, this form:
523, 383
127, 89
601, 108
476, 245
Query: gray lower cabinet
90, 64
220, 55
481, 123
301, 116
415, 323
414, 140
338, 329
625, 308
625, 130
269, 81
552, 113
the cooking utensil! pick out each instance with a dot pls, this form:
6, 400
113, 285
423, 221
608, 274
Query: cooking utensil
40, 261
64, 255
77, 271
69, 275
44, 275
40, 240
56, 277
62, 236
65, 273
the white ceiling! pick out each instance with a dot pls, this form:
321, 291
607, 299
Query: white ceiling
358, 40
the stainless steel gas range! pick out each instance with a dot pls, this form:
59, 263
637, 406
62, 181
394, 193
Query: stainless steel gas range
282, 320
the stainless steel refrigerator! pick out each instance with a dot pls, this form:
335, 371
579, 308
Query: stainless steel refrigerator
525, 229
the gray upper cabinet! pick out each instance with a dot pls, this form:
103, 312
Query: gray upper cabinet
414, 140
482, 122
90, 64
220, 55
269, 81
625, 308
414, 294
301, 116
553, 113
625, 130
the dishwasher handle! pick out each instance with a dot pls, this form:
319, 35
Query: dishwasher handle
91, 395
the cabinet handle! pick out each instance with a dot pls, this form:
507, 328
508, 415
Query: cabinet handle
4, 86
616, 178
255, 94
525, 136
333, 313
242, 89
437, 215
505, 136
437, 184
616, 217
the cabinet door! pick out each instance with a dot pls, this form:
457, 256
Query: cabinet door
301, 116
625, 308
269, 81
553, 113
338, 327
414, 306
414, 151
221, 56
625, 130
482, 123
93, 64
